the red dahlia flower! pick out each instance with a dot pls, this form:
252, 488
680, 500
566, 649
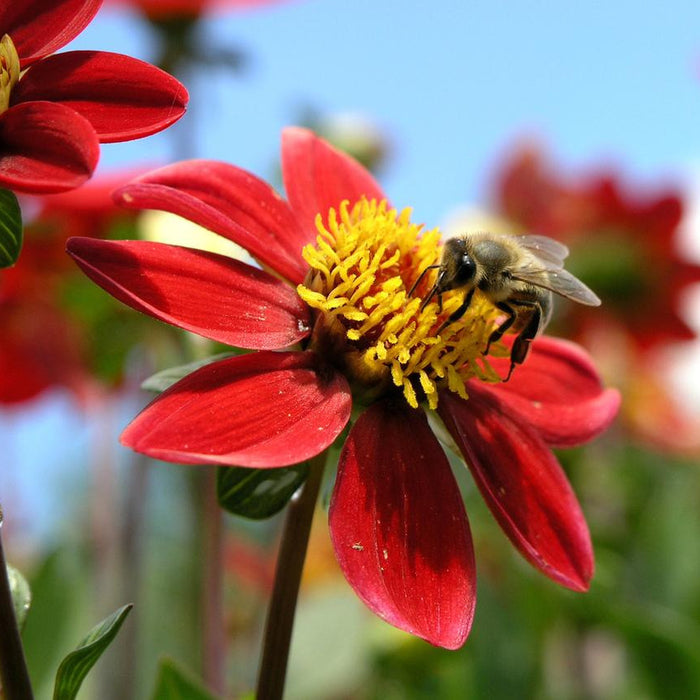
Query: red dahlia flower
624, 245
340, 265
56, 109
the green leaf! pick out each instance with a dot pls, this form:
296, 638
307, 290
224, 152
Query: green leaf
10, 228
160, 381
59, 589
73, 669
21, 594
174, 683
258, 493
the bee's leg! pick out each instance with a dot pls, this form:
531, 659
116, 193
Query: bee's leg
458, 313
503, 328
521, 344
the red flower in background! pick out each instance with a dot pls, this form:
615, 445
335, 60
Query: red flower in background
31, 364
397, 519
56, 109
44, 341
624, 245
165, 9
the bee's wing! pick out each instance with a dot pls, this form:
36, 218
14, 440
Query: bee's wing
557, 280
552, 253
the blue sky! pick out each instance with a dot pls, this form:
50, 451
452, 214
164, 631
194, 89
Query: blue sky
453, 84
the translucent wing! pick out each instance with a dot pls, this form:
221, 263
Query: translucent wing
549, 251
557, 280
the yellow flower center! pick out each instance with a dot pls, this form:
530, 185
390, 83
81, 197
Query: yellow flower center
362, 266
9, 71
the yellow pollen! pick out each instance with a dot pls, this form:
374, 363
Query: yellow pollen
365, 260
9, 71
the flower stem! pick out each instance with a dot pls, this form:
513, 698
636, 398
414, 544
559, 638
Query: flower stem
13, 667
131, 572
290, 562
213, 633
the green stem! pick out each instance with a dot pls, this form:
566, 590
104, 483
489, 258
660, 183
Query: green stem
213, 632
131, 574
290, 562
13, 667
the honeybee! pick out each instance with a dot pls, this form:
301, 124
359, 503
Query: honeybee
517, 274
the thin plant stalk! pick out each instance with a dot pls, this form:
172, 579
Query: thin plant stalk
290, 563
131, 571
13, 666
104, 534
213, 635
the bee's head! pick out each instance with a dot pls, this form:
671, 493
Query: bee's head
457, 268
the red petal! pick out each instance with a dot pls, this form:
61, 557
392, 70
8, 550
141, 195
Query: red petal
40, 27
45, 147
123, 98
209, 294
523, 485
229, 201
559, 392
318, 177
399, 528
264, 409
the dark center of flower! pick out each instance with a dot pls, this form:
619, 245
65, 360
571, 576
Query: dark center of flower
363, 263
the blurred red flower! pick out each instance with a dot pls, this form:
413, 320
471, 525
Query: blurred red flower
654, 412
44, 341
55, 109
33, 365
625, 245
397, 520
167, 9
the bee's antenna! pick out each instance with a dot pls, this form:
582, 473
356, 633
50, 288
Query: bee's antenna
431, 294
418, 281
